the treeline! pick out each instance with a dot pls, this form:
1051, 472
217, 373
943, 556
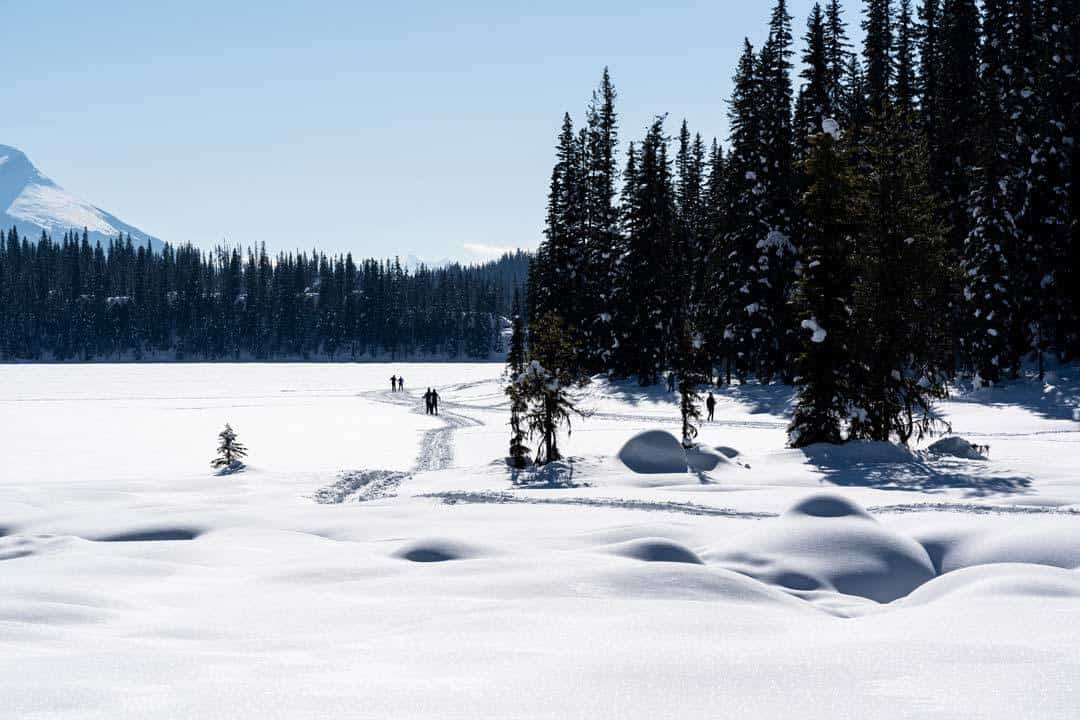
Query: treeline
881, 219
69, 300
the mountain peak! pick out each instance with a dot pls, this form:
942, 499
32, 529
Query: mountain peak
31, 202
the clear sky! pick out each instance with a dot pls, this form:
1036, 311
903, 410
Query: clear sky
401, 127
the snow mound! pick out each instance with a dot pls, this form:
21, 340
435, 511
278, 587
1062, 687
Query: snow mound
995, 581
429, 550
955, 550
827, 505
653, 452
956, 446
656, 550
687, 581
827, 543
729, 452
705, 459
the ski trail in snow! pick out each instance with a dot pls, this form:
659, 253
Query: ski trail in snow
496, 497
436, 453
361, 485
437, 445
972, 509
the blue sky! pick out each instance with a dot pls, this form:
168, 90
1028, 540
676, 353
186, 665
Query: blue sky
407, 127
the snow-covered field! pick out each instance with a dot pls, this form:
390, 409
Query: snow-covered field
377, 562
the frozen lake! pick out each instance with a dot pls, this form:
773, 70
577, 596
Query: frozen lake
374, 561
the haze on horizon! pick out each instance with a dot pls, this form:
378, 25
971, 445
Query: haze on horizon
414, 129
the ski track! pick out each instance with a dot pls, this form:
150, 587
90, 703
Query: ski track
436, 453
495, 497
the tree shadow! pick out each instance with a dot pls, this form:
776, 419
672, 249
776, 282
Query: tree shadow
759, 399
559, 475
773, 399
917, 474
1055, 398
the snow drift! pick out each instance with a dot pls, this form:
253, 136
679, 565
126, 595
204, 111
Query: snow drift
653, 452
827, 542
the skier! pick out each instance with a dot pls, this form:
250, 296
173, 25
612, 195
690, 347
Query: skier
435, 401
710, 403
429, 403
393, 383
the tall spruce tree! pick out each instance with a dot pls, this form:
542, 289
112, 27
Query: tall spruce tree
993, 240
774, 342
604, 248
878, 53
651, 234
816, 94
740, 294
838, 53
905, 87
900, 292
824, 366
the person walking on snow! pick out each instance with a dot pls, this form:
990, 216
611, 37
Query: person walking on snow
393, 383
429, 404
434, 401
401, 384
710, 404
671, 382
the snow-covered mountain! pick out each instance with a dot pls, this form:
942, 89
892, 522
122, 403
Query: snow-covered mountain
32, 202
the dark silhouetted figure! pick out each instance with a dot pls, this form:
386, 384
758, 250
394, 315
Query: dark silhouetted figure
710, 405
434, 401
401, 384
429, 404
393, 383
671, 382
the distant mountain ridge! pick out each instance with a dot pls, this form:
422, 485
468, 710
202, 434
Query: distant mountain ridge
31, 202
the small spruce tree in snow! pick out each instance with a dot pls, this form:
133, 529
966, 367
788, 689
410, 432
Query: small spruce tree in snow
515, 367
691, 378
823, 293
545, 385
230, 451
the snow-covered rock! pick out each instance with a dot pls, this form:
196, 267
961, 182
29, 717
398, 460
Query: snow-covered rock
955, 446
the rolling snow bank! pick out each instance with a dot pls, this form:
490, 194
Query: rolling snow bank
654, 452
827, 542
954, 549
656, 550
975, 584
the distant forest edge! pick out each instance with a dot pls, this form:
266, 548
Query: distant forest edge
77, 302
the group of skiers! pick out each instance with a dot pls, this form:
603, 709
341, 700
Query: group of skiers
710, 402
431, 401
431, 397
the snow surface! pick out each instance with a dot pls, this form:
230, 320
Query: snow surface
374, 561
32, 202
